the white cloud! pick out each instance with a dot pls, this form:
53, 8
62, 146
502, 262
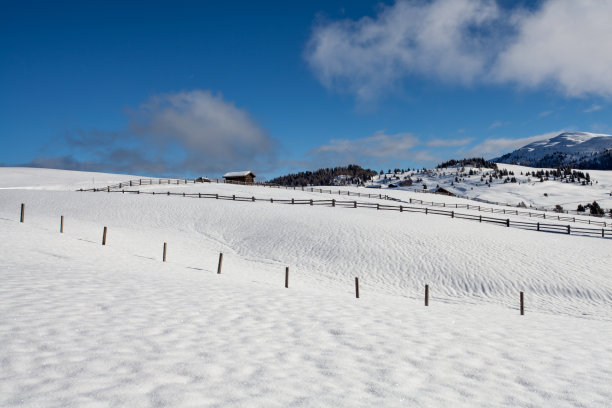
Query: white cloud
367, 56
494, 147
593, 108
449, 142
213, 134
378, 146
562, 42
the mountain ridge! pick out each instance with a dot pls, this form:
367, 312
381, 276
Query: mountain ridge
580, 150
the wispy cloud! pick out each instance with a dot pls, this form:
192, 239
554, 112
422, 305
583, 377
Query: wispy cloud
593, 108
494, 147
185, 132
449, 142
380, 146
498, 123
467, 41
546, 113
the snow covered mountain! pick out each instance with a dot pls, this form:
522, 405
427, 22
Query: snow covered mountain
580, 150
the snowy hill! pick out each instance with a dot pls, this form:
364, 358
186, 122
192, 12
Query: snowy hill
83, 324
580, 150
509, 184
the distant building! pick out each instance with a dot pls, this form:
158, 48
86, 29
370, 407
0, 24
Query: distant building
444, 191
247, 177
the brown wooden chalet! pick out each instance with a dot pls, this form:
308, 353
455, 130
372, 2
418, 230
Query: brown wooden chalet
444, 191
247, 177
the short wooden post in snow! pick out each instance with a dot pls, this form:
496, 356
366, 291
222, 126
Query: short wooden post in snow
357, 287
522, 304
22, 218
220, 263
354, 204
61, 224
333, 202
104, 236
426, 295
507, 222
287, 277
165, 248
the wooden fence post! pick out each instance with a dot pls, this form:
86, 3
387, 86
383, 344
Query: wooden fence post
311, 203
568, 228
22, 218
357, 287
333, 202
426, 295
354, 204
61, 224
220, 263
165, 247
507, 222
401, 208
287, 277
522, 305
104, 237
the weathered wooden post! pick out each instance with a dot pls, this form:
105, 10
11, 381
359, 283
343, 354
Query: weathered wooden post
480, 218
568, 228
401, 208
538, 227
354, 204
104, 237
292, 201
452, 214
522, 305
287, 277
357, 287
22, 218
165, 247
311, 203
426, 295
507, 222
220, 263
61, 224
333, 202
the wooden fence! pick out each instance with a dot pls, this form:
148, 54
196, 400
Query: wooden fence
506, 222
543, 214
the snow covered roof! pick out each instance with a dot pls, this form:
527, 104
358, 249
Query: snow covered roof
238, 174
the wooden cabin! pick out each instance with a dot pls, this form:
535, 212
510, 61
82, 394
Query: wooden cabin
246, 177
444, 191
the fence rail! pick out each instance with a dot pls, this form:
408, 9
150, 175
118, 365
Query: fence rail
540, 227
542, 214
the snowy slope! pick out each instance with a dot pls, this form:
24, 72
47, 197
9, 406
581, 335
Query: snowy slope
546, 194
566, 148
87, 325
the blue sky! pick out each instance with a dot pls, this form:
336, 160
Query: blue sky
189, 88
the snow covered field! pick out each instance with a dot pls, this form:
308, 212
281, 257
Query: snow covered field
83, 324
